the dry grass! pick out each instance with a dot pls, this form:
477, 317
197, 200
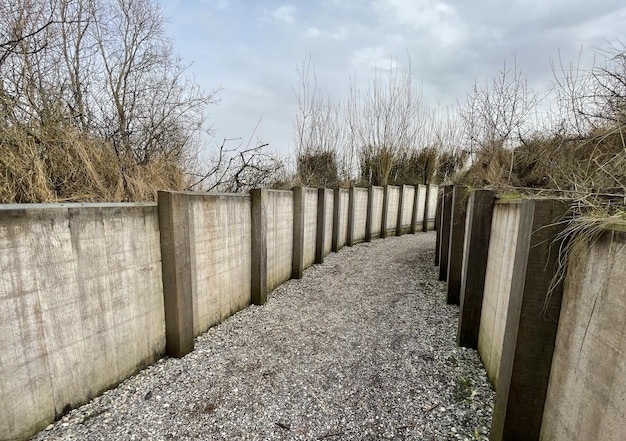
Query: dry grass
590, 169
579, 234
61, 165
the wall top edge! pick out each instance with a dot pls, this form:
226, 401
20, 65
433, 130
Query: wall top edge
207, 193
67, 205
520, 199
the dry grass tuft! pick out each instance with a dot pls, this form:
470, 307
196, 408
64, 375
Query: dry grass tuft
67, 165
581, 232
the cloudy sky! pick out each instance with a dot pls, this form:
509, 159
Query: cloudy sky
252, 49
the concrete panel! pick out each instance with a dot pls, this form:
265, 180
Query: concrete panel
457, 239
586, 397
77, 280
498, 278
340, 218
220, 241
406, 209
360, 214
280, 213
376, 205
393, 204
310, 226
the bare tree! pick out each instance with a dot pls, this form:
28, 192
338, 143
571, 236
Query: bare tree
497, 115
497, 112
385, 120
319, 132
103, 69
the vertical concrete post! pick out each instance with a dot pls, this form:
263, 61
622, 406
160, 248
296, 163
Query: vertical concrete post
258, 288
176, 275
336, 219
383, 226
416, 201
438, 224
321, 225
351, 214
426, 208
400, 209
474, 266
531, 325
457, 239
370, 213
444, 246
297, 268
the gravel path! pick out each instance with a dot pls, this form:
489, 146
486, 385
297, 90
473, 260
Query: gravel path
362, 348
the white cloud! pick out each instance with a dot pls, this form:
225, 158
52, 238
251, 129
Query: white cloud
284, 14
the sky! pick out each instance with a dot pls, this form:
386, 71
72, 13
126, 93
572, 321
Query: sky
251, 50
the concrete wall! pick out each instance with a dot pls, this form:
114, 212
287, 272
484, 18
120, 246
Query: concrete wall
377, 210
502, 244
408, 197
586, 397
219, 236
77, 281
279, 237
360, 214
310, 225
393, 203
99, 291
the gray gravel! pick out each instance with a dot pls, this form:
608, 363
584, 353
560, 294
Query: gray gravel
362, 348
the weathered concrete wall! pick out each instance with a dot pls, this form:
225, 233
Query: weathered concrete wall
502, 246
76, 281
360, 214
408, 197
219, 234
586, 397
310, 226
377, 210
393, 202
279, 237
